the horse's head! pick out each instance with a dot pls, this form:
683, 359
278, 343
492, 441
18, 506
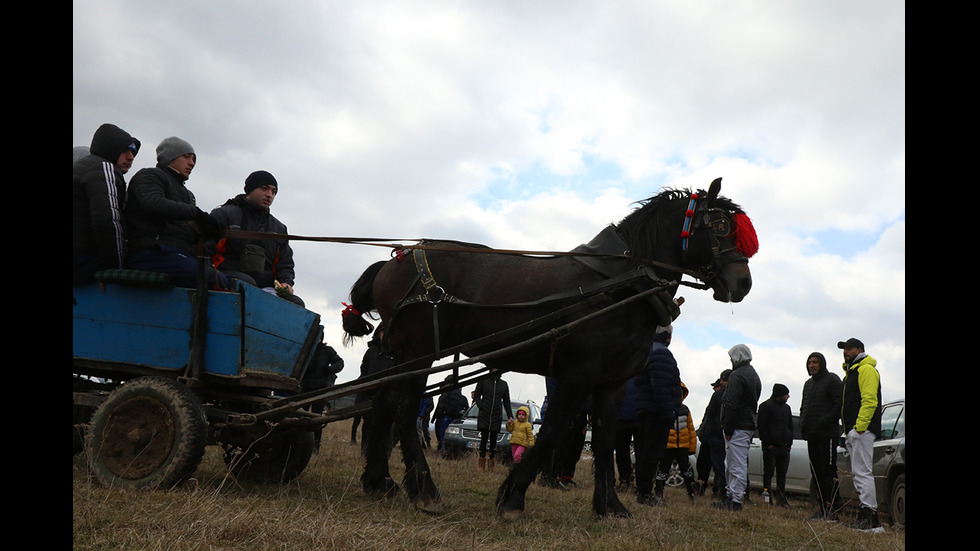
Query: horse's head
717, 240
698, 233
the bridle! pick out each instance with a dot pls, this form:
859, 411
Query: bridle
699, 216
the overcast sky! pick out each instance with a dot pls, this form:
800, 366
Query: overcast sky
532, 125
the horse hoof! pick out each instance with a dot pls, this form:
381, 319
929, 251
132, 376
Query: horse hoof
383, 489
433, 507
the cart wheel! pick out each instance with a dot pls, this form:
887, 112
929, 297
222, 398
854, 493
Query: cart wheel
276, 458
149, 433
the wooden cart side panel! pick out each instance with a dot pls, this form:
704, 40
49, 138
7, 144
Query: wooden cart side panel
278, 335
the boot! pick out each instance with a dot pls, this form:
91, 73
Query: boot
490, 465
481, 466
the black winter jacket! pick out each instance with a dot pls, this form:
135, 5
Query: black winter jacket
775, 423
821, 404
158, 210
741, 399
658, 388
491, 396
99, 198
323, 369
241, 214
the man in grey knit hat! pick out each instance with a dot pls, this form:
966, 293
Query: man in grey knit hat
164, 222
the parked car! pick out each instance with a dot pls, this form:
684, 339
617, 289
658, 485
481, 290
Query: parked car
888, 465
798, 474
463, 436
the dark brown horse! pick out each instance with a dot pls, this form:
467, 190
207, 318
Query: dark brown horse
446, 293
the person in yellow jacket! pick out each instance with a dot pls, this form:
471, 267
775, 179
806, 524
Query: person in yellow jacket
521, 434
682, 442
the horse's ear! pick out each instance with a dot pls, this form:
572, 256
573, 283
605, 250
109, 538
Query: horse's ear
713, 191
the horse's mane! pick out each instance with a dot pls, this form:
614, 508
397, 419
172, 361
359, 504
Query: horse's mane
648, 228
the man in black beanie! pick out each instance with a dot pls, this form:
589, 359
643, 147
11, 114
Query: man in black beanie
265, 263
776, 433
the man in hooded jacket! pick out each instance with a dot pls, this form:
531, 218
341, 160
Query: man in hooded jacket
820, 427
738, 421
98, 200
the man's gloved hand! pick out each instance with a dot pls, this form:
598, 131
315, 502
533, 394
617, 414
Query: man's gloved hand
208, 225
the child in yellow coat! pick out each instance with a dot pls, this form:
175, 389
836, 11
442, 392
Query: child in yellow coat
521, 434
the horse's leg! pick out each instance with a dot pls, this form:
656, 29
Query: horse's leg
561, 407
418, 483
376, 479
605, 410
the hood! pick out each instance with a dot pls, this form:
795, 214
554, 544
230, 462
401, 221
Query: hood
820, 358
684, 391
526, 411
110, 141
740, 355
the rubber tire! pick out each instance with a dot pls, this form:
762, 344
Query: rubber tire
277, 458
150, 432
896, 503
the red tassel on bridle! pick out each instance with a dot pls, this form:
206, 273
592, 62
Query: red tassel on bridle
746, 241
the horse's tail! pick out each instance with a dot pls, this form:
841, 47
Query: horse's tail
362, 302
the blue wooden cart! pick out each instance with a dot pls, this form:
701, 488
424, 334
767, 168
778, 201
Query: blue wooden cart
159, 372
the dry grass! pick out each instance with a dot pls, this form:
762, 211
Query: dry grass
325, 509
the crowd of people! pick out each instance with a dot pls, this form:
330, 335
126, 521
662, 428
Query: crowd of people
659, 426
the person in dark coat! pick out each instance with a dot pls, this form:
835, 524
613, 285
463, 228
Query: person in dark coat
451, 405
98, 201
321, 373
376, 359
626, 430
820, 427
739, 406
163, 221
558, 470
492, 395
658, 398
265, 263
776, 434
711, 458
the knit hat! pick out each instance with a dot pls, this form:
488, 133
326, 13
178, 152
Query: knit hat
258, 179
780, 389
171, 148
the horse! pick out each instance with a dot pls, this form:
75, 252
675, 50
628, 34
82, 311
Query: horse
452, 293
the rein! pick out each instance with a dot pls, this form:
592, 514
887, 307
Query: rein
397, 248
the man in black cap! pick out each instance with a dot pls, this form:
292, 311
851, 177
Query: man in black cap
776, 433
98, 200
712, 439
861, 414
165, 226
265, 263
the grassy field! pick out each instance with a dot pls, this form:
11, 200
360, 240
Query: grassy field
324, 508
